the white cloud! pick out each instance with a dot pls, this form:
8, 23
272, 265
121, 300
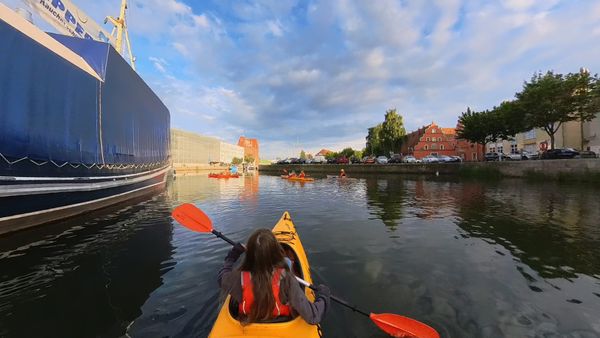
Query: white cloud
284, 70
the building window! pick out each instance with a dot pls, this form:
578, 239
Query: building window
426, 148
492, 149
501, 149
439, 139
434, 146
474, 156
434, 154
428, 139
513, 148
433, 131
442, 147
530, 134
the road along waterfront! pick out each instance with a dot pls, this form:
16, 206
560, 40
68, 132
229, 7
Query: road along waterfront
471, 258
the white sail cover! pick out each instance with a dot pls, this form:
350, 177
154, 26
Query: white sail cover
68, 19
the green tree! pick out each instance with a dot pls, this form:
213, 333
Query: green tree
506, 120
480, 127
392, 131
331, 155
587, 97
302, 155
347, 152
236, 160
358, 153
374, 140
549, 100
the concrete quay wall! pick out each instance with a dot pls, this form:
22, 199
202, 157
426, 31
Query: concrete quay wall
572, 169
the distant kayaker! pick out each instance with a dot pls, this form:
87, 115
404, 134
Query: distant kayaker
342, 173
292, 174
263, 285
285, 172
302, 174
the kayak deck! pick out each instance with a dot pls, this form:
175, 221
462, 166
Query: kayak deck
226, 326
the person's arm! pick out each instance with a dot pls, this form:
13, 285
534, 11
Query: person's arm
311, 312
223, 278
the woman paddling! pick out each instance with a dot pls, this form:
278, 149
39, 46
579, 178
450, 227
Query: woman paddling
264, 287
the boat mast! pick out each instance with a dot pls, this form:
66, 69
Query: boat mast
120, 27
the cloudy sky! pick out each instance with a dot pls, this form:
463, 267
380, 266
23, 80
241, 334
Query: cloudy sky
316, 74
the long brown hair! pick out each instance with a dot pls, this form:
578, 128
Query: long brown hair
263, 255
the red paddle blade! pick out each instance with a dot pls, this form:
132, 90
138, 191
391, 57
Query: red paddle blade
192, 218
400, 326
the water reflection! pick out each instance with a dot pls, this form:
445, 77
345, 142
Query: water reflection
472, 259
70, 280
386, 197
552, 229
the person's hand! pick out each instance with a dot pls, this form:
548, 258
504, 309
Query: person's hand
239, 248
323, 292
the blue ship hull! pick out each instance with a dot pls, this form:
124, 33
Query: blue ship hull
70, 141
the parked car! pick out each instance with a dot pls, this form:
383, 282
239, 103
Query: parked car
588, 154
526, 155
396, 158
369, 160
342, 160
319, 159
381, 160
409, 159
430, 159
491, 156
355, 159
456, 159
559, 153
512, 157
331, 160
445, 159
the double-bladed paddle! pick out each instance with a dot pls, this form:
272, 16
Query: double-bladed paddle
395, 325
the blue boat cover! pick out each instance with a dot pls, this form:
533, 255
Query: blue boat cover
51, 110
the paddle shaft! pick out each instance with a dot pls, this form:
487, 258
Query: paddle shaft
334, 298
300, 280
223, 237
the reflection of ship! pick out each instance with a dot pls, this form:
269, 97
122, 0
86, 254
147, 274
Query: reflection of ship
79, 129
101, 263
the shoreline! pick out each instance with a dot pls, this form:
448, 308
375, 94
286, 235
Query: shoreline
568, 170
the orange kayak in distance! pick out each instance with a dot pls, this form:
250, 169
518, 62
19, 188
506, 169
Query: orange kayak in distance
300, 179
222, 176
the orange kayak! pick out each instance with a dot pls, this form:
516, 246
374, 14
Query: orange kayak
223, 176
301, 179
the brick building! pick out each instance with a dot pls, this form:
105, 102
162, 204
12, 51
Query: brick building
435, 140
250, 146
323, 152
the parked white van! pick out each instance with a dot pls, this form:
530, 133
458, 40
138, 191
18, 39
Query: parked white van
319, 159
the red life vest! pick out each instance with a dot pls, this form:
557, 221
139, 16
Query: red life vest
248, 295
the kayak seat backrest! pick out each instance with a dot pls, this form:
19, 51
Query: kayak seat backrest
234, 311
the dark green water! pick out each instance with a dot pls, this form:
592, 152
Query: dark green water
470, 258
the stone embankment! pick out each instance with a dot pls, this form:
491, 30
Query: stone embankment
585, 170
